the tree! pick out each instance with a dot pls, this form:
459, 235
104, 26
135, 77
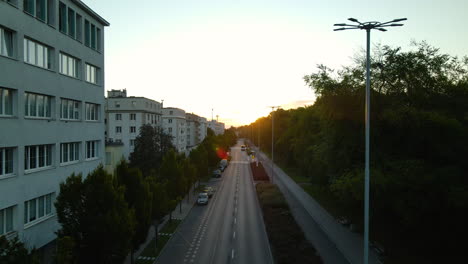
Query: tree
94, 214
138, 197
14, 252
150, 146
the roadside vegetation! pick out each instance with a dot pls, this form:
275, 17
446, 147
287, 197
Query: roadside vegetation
105, 217
288, 243
419, 145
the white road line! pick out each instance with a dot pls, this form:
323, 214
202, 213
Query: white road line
234, 235
235, 220
232, 254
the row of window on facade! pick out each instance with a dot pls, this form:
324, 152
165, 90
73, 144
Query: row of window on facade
118, 129
41, 106
41, 156
41, 55
70, 22
34, 211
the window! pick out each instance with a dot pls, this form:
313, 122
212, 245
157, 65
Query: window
132, 116
6, 161
6, 102
71, 23
6, 42
118, 129
170, 130
62, 17
39, 156
91, 74
41, 9
37, 54
69, 152
37, 105
38, 208
87, 33
69, 109
118, 116
132, 142
170, 112
92, 149
79, 27
6, 220
68, 65
92, 36
117, 104
92, 112
132, 129
170, 121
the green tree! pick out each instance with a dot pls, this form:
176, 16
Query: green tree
14, 252
150, 147
139, 198
94, 214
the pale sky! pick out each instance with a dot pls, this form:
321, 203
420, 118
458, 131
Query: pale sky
241, 56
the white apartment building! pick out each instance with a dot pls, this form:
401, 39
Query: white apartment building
196, 130
125, 115
51, 109
174, 124
217, 127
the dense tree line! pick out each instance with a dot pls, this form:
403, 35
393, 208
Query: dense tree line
419, 142
104, 217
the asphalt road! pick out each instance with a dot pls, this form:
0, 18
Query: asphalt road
229, 229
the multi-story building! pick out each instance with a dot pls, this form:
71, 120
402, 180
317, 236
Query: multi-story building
174, 124
196, 130
51, 109
217, 127
125, 115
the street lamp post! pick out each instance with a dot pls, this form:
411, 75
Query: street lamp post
367, 26
272, 137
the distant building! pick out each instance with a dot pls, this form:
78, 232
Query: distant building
174, 124
51, 109
114, 154
196, 130
125, 115
217, 127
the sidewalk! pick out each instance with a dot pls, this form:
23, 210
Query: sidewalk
348, 243
178, 213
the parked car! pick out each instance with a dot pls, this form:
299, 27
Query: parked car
243, 147
223, 164
209, 190
217, 173
202, 198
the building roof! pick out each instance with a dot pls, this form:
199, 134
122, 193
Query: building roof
91, 12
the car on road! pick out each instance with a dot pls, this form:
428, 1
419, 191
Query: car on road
217, 173
202, 198
243, 147
209, 190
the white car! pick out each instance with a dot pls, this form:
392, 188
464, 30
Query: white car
202, 198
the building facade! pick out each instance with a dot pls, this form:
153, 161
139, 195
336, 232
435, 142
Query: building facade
51, 109
174, 124
196, 130
125, 115
217, 127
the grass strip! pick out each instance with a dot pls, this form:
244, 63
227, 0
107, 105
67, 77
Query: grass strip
287, 240
153, 250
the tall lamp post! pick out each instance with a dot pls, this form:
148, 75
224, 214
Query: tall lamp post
367, 26
272, 137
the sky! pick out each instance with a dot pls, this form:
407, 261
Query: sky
236, 58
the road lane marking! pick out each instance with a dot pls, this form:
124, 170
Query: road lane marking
235, 220
234, 235
232, 254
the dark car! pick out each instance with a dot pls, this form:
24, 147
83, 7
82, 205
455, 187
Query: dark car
217, 173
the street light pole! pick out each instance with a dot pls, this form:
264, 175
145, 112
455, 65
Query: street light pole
272, 137
367, 26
